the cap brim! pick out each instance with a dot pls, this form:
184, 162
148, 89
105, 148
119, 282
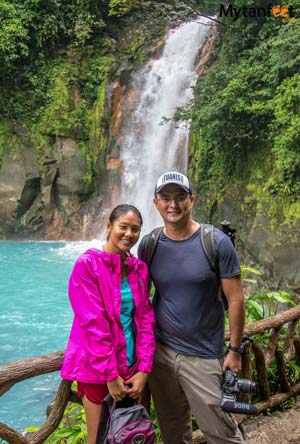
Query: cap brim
157, 190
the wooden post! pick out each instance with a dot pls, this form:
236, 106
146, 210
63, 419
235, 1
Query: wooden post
246, 371
273, 343
288, 343
284, 385
261, 371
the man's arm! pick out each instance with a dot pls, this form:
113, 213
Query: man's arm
232, 288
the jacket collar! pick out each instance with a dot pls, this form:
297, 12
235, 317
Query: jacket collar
113, 260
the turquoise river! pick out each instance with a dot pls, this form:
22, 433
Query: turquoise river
35, 319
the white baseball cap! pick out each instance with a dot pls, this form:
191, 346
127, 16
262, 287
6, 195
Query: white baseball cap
173, 177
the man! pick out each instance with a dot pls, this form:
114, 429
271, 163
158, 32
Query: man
189, 362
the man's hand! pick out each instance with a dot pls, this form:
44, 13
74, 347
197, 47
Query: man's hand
117, 388
233, 361
137, 383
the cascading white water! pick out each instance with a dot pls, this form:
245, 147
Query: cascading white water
151, 147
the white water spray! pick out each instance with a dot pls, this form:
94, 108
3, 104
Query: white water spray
151, 147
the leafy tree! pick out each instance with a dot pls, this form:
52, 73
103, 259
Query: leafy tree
246, 106
14, 35
121, 7
285, 127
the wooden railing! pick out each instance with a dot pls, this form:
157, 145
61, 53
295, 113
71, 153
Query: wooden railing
14, 372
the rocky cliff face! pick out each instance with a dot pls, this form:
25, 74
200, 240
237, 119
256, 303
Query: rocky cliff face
42, 199
266, 237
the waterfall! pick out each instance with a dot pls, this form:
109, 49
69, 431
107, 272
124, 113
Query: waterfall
150, 146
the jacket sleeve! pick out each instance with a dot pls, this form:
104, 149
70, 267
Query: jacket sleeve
146, 338
95, 330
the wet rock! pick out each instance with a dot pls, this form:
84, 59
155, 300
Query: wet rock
71, 170
276, 250
19, 177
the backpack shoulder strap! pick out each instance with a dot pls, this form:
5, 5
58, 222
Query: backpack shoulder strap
208, 244
151, 244
108, 406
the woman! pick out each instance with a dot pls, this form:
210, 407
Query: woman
111, 344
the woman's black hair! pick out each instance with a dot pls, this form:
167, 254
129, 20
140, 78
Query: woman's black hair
124, 209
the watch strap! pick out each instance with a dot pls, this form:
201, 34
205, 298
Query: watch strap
235, 349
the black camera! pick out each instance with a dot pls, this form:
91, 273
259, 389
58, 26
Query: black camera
232, 387
226, 228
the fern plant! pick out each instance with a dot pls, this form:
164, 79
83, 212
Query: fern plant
72, 428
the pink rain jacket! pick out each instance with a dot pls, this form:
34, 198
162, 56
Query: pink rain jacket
96, 350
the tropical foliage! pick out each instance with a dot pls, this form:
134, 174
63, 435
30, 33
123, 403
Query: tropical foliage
57, 58
72, 428
245, 120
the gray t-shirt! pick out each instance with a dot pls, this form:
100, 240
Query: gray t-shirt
189, 312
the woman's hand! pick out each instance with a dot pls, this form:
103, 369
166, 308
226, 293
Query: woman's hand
117, 388
137, 383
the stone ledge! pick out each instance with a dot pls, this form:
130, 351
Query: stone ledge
278, 428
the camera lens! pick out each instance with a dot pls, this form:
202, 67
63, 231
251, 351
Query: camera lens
246, 386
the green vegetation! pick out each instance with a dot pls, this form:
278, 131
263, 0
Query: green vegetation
57, 58
261, 304
122, 7
72, 428
245, 120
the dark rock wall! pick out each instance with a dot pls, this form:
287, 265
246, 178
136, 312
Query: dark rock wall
262, 239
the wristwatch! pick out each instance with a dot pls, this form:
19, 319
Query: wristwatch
235, 349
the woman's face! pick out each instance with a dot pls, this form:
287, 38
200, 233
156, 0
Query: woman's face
124, 233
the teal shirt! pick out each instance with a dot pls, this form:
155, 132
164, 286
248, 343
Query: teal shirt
127, 310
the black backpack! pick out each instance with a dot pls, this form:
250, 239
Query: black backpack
207, 241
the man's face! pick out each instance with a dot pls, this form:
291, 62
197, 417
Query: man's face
174, 204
